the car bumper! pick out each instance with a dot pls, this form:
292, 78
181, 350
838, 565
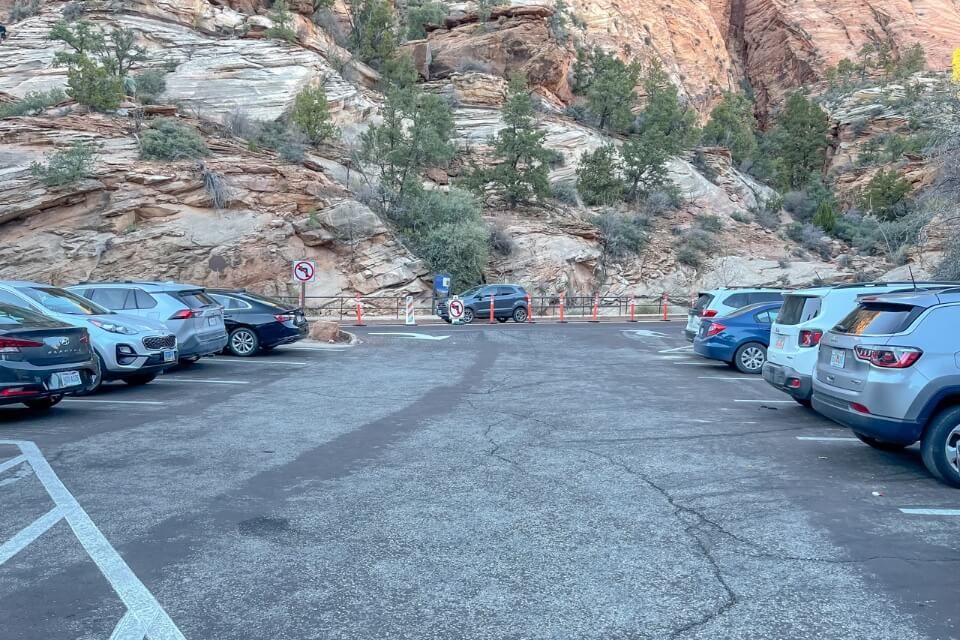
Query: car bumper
195, 346
712, 351
276, 334
690, 334
778, 376
881, 428
117, 366
21, 381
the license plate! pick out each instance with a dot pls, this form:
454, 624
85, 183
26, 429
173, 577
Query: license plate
780, 342
169, 356
64, 379
213, 321
837, 358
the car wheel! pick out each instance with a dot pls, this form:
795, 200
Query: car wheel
243, 342
520, 314
940, 447
502, 319
882, 445
468, 315
43, 404
97, 383
750, 357
140, 379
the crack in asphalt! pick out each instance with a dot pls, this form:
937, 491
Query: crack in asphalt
731, 597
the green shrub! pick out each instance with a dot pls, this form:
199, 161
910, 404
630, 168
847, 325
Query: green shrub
565, 192
709, 223
949, 267
742, 218
91, 84
312, 115
767, 215
169, 139
372, 37
423, 14
694, 246
65, 167
501, 242
598, 177
624, 234
73, 10
150, 85
282, 19
886, 196
23, 9
33, 102
825, 217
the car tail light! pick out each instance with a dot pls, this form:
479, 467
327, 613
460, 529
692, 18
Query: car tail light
13, 392
284, 317
810, 337
85, 338
13, 345
888, 357
793, 383
859, 408
709, 313
715, 328
184, 314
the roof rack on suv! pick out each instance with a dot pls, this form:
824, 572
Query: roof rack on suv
893, 283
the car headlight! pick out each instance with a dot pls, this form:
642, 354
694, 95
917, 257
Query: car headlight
113, 327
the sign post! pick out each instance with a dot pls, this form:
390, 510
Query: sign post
304, 271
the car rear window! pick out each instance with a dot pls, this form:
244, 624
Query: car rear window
703, 300
194, 299
797, 309
878, 318
267, 300
12, 316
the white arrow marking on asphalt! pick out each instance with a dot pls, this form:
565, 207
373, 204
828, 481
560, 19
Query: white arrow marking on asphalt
410, 336
645, 333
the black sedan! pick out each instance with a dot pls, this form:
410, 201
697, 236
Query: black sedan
42, 359
256, 322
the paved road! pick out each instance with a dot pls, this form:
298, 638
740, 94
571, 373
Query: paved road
548, 481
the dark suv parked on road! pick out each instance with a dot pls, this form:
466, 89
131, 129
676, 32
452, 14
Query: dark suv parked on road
509, 301
890, 371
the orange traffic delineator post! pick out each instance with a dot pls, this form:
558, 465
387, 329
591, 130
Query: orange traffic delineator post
359, 322
666, 307
563, 300
633, 310
596, 308
529, 310
492, 319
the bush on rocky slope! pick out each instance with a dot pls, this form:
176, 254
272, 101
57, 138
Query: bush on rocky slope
65, 167
168, 139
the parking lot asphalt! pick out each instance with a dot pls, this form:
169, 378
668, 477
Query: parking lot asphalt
508, 481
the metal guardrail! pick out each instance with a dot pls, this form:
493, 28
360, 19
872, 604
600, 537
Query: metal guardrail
343, 308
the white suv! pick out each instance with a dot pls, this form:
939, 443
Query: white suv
805, 316
720, 302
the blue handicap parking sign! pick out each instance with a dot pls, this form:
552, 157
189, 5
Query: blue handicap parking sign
441, 284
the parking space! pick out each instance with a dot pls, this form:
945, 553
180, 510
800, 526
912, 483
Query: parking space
508, 481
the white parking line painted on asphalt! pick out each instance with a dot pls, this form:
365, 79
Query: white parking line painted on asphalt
751, 378
408, 336
703, 364
151, 619
11, 463
931, 512
688, 347
827, 438
199, 380
251, 361
96, 401
671, 357
767, 401
314, 349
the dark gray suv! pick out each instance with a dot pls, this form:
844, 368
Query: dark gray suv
509, 302
890, 371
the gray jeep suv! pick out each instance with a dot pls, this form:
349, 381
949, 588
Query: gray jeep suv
890, 371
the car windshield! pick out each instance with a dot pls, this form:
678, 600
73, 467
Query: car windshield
62, 301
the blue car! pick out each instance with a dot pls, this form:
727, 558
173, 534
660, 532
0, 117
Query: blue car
739, 339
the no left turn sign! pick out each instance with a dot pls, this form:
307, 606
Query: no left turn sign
455, 309
304, 270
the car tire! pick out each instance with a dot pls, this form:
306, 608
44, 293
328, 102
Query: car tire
940, 436
243, 342
97, 384
468, 315
189, 360
882, 445
502, 319
520, 314
43, 404
749, 357
140, 379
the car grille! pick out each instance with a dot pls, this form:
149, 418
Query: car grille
160, 342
